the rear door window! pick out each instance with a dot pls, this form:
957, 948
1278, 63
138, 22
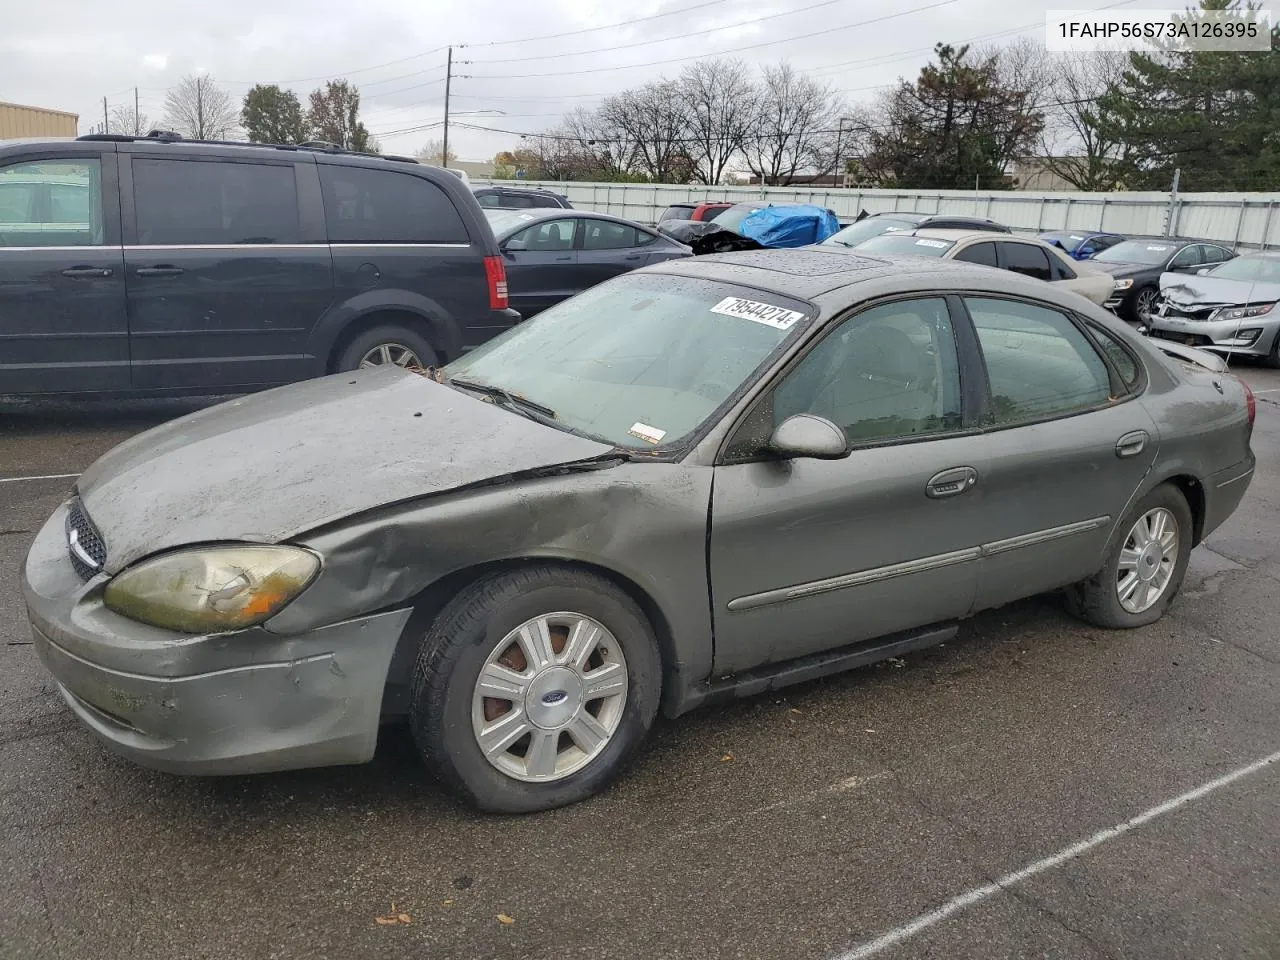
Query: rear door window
983, 253
372, 207
201, 202
606, 235
1025, 259
1039, 364
547, 236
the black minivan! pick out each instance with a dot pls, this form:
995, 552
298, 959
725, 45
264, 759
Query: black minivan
140, 265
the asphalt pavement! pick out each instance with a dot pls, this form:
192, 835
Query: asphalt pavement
1034, 788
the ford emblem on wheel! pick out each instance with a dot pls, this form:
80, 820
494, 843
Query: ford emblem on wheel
555, 696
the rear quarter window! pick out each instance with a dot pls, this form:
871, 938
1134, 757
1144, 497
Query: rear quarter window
363, 206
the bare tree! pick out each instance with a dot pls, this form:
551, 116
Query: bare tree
433, 152
197, 107
795, 116
129, 122
648, 125
720, 100
1075, 146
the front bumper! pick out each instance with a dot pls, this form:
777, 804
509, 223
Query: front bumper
245, 702
1221, 336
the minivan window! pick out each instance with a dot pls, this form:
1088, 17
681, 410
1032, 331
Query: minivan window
364, 206
51, 203
204, 202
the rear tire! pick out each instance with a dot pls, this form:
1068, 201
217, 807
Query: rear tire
1139, 581
549, 742
388, 344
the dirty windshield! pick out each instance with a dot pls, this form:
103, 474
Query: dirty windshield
1136, 251
639, 362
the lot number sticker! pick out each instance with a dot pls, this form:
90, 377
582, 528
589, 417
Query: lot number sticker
936, 244
779, 318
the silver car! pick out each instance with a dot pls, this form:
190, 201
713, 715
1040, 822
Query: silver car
702, 480
1233, 308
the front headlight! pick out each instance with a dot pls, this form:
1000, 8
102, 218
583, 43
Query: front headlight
1123, 284
212, 589
1243, 313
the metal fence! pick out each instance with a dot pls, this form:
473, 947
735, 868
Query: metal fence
1247, 220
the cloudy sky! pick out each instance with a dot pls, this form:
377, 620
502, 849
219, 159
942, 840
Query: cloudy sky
519, 64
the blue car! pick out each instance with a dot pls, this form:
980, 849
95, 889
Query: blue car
1081, 244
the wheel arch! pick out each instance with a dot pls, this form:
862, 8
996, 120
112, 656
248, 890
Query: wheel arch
429, 602
346, 321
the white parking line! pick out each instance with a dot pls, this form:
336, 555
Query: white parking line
926, 920
48, 476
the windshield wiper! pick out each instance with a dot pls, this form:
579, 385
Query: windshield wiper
508, 398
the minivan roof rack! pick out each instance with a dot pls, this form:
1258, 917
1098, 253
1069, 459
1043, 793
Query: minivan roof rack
166, 136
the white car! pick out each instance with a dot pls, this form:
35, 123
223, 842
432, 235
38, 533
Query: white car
1025, 255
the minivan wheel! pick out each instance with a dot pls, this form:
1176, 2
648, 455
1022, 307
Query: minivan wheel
1145, 568
385, 346
534, 688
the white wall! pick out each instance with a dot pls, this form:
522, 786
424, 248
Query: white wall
1244, 219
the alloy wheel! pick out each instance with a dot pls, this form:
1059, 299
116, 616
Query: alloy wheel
549, 697
1147, 560
391, 353
1145, 305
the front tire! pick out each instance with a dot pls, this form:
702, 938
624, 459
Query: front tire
1273, 358
1145, 568
534, 688
1142, 305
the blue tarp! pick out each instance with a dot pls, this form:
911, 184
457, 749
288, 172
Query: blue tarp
789, 225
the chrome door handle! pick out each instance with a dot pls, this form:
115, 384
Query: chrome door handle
1131, 444
952, 482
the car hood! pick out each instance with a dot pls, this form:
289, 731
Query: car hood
270, 466
1195, 290
1123, 269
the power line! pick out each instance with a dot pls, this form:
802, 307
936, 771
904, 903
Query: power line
703, 56
611, 26
683, 36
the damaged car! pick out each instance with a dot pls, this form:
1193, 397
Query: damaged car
1230, 308
756, 225
698, 481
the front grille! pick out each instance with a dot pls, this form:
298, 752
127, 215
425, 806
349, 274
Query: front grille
85, 545
1190, 339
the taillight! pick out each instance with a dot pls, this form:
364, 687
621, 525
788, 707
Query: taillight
496, 273
1250, 402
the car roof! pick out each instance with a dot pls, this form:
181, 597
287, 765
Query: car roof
808, 273
529, 215
1175, 241
957, 236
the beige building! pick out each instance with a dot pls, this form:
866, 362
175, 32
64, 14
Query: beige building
20, 121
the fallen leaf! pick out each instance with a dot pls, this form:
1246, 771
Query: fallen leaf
448, 903
505, 920
794, 710
727, 757
868, 730
403, 918
385, 921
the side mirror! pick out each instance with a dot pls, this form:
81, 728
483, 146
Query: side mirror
806, 436
1202, 271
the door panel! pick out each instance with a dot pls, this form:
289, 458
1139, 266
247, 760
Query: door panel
542, 266
807, 555
609, 249
1057, 477
223, 292
63, 326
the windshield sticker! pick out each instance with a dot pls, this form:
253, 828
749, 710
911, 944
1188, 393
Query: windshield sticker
1075, 236
1158, 249
779, 318
937, 244
642, 431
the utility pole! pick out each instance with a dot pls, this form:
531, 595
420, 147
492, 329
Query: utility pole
199, 109
448, 77
106, 127
836, 179
1171, 217
137, 117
